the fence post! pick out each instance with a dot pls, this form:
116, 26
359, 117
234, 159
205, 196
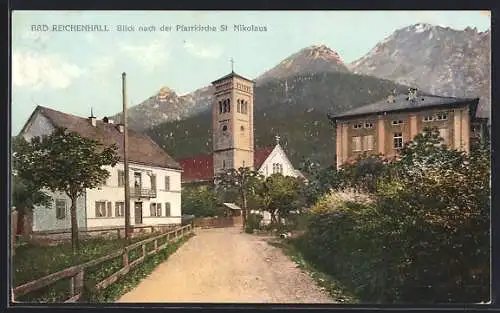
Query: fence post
144, 250
156, 244
77, 283
118, 232
125, 257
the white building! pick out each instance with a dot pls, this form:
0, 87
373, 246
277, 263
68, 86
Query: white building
155, 178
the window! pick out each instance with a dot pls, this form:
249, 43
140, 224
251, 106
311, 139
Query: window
357, 126
103, 210
398, 140
153, 182
223, 163
356, 143
243, 164
121, 178
443, 133
221, 108
119, 208
397, 122
277, 168
242, 128
428, 118
167, 209
167, 183
368, 142
155, 209
60, 208
368, 125
441, 117
224, 128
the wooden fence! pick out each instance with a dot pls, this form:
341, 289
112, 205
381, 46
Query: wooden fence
210, 222
77, 272
44, 237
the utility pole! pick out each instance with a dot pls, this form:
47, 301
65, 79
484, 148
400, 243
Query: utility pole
125, 157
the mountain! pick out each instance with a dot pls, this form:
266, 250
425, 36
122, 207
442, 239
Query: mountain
439, 60
293, 107
312, 59
167, 106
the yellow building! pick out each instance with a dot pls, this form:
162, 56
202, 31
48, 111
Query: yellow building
386, 126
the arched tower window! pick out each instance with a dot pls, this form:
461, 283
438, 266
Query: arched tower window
220, 107
228, 105
238, 109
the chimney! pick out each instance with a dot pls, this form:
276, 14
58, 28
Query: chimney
120, 127
107, 120
92, 118
412, 94
392, 97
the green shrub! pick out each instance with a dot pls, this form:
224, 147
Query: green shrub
422, 237
254, 220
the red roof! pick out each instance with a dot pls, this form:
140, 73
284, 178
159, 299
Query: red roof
201, 167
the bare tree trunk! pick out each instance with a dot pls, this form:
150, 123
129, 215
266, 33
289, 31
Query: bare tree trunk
244, 209
75, 244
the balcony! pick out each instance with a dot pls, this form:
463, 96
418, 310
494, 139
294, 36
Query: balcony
142, 193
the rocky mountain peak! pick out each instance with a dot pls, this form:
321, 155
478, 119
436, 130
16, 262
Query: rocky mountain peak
439, 60
312, 59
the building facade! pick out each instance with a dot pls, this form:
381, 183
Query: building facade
386, 126
154, 178
232, 123
233, 137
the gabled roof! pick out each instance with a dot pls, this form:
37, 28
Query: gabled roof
232, 74
198, 168
201, 167
402, 103
141, 148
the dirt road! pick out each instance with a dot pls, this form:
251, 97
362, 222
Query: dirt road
226, 265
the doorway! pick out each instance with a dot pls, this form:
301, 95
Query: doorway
138, 213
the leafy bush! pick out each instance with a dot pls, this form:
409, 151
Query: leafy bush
201, 201
253, 222
423, 236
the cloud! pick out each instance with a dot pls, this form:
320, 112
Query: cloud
35, 70
210, 52
150, 55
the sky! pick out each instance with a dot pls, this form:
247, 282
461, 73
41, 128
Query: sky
74, 71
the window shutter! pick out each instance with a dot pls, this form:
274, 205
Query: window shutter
158, 209
167, 183
152, 209
110, 213
117, 209
97, 211
167, 209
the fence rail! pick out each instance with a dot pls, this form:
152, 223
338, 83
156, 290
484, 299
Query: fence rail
118, 230
77, 272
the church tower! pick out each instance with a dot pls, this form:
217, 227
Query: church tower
232, 123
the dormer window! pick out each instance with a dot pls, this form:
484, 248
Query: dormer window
368, 125
441, 117
428, 118
396, 122
357, 126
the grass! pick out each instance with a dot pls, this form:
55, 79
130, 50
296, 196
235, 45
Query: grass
33, 261
135, 276
334, 288
39, 258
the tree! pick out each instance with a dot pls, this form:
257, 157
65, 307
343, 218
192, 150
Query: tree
64, 161
279, 196
242, 180
320, 181
25, 195
201, 201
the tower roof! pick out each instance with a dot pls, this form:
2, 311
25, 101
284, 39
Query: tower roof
230, 75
